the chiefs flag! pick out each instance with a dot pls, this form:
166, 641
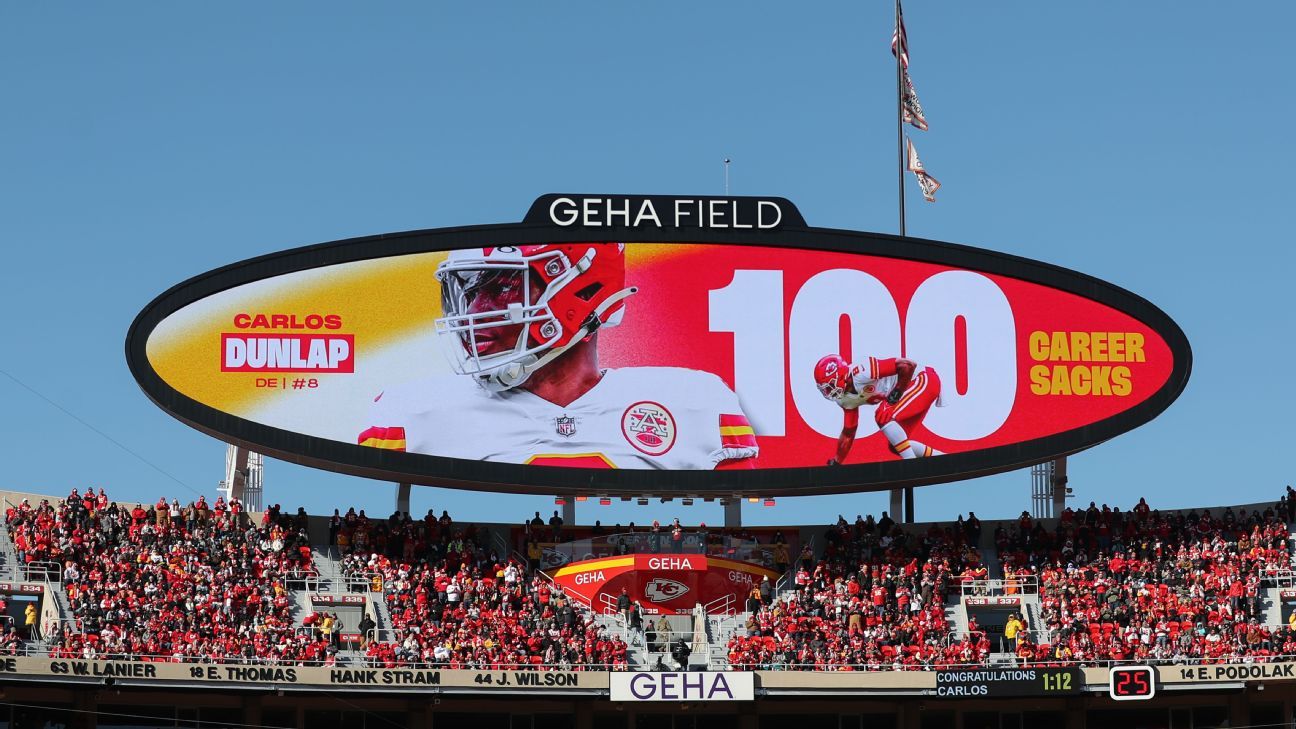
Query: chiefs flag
911, 108
928, 183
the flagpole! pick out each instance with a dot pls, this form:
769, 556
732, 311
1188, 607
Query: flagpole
900, 146
906, 512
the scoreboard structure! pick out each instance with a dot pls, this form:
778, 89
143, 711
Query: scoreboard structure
401, 356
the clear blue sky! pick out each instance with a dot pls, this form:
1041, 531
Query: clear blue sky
142, 143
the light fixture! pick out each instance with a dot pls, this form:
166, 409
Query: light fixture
687, 501
643, 501
769, 502
581, 498
560, 501
605, 501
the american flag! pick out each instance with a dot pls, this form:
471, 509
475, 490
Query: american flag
928, 183
899, 38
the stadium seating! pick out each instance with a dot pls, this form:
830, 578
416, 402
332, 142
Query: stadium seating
875, 598
1141, 584
169, 583
202, 583
1114, 586
456, 604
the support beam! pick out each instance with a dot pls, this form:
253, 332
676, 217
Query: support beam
569, 511
402, 498
733, 513
1059, 486
909, 517
896, 512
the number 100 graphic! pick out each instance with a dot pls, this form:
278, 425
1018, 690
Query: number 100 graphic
957, 322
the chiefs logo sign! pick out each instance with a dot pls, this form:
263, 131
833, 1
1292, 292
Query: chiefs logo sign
660, 589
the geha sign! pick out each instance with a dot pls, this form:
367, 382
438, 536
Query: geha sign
682, 686
609, 337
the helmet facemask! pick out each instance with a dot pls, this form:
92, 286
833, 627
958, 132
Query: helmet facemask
832, 390
472, 340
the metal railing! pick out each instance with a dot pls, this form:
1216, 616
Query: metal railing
953, 637
1005, 587
609, 607
307, 580
723, 605
787, 580
43, 571
693, 542
574, 596
344, 583
1283, 578
36, 651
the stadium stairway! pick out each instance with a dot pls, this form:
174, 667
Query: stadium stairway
956, 616
332, 580
636, 652
722, 628
1272, 605
990, 558
8, 556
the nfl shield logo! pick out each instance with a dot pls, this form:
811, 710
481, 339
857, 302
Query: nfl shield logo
566, 426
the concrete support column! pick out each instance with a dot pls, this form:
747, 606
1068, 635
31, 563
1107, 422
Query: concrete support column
252, 709
896, 512
1059, 486
733, 513
402, 498
86, 704
416, 716
1239, 706
909, 717
569, 511
1075, 712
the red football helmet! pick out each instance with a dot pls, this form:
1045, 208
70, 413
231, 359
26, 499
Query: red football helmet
558, 293
832, 375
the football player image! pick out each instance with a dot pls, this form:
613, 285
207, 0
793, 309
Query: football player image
900, 391
521, 327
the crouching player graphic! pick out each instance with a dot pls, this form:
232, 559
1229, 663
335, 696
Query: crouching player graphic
900, 391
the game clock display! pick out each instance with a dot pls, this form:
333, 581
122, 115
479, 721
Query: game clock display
1132, 683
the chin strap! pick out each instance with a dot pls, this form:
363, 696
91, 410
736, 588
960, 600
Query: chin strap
517, 373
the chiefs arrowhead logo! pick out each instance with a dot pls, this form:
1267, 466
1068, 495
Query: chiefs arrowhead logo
660, 589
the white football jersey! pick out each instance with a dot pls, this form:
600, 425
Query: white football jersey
869, 389
635, 417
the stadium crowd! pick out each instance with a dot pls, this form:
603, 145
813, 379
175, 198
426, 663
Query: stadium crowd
455, 603
875, 596
1112, 585
1141, 584
203, 583
170, 583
